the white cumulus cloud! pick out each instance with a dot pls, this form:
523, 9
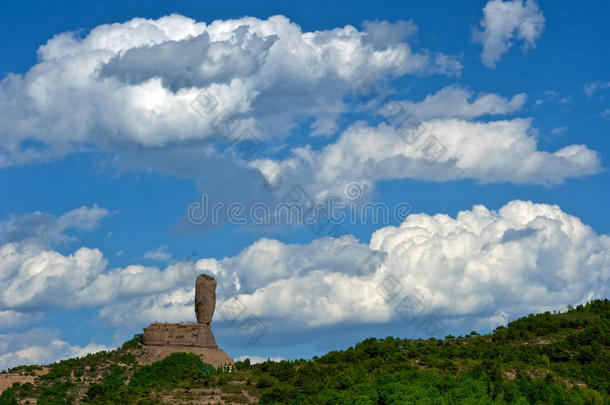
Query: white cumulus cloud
39, 346
454, 102
132, 84
480, 268
504, 21
483, 265
13, 319
438, 149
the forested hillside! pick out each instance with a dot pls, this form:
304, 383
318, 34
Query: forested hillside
545, 358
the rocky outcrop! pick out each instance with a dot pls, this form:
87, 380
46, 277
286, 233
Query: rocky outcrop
190, 336
179, 334
215, 357
205, 298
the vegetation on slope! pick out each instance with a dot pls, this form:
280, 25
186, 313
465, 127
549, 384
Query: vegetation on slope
540, 359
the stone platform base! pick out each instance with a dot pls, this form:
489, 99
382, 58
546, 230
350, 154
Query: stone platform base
188, 334
214, 357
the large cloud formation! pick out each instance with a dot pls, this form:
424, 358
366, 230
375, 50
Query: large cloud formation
504, 20
134, 83
523, 257
484, 265
492, 151
171, 93
32, 274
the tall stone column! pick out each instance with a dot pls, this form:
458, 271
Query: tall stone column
205, 298
190, 334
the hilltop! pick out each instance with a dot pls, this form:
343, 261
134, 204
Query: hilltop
561, 358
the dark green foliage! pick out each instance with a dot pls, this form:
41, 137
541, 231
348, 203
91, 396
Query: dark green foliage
283, 370
550, 359
135, 342
179, 370
539, 359
24, 369
56, 394
111, 390
8, 397
264, 382
243, 365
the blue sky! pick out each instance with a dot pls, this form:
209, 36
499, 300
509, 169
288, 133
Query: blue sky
102, 154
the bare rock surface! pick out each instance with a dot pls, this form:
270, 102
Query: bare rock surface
205, 298
8, 379
162, 339
179, 334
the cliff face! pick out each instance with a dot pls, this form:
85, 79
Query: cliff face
180, 334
